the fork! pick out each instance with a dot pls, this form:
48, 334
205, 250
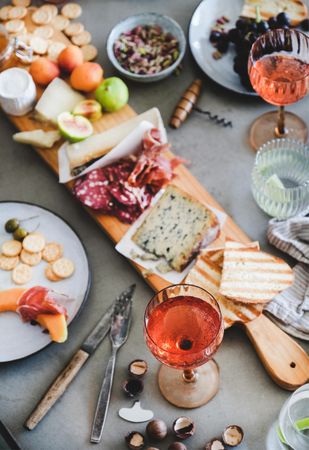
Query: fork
120, 325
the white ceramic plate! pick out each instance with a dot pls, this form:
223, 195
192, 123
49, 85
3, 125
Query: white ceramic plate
202, 21
18, 339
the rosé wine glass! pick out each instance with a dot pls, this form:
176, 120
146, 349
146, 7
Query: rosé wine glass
278, 67
183, 328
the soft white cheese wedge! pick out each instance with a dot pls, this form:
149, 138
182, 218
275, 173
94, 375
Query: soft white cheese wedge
57, 98
37, 138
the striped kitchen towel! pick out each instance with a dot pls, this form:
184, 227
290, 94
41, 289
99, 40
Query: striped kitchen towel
290, 308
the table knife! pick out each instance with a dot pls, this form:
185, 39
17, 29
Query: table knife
120, 326
58, 387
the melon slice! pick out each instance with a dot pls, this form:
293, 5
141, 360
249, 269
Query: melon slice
56, 326
9, 299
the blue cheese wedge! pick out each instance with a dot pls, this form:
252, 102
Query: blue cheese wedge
176, 228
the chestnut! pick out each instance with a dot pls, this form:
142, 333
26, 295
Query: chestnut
138, 368
215, 444
183, 427
156, 430
177, 446
135, 440
133, 387
233, 435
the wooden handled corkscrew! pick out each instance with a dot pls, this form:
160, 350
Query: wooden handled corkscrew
187, 104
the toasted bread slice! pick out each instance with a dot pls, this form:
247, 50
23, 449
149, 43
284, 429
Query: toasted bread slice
216, 254
295, 9
207, 274
252, 276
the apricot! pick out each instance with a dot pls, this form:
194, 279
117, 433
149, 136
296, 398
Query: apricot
70, 58
86, 77
43, 71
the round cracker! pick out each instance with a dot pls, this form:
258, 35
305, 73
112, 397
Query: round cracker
39, 45
44, 32
24, 3
4, 12
50, 275
73, 29
41, 16
52, 252
25, 38
52, 9
60, 23
11, 248
34, 242
22, 274
71, 10
8, 262
90, 52
83, 38
15, 26
54, 49
32, 259
17, 12
63, 267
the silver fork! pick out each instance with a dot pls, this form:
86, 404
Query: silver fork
120, 326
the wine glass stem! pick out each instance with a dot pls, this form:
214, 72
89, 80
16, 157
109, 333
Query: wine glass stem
280, 130
189, 376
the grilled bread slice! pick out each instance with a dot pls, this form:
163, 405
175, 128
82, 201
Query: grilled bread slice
295, 9
207, 274
216, 255
176, 228
252, 276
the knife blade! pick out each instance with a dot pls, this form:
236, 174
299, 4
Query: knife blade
63, 380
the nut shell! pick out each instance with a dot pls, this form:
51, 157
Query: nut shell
177, 446
138, 368
135, 440
156, 430
133, 387
233, 435
215, 444
183, 427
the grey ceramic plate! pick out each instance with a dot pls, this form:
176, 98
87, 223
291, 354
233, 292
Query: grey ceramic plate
202, 21
18, 339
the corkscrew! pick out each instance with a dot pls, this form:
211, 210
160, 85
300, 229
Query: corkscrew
187, 104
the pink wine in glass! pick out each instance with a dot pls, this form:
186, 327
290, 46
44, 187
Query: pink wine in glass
182, 332
280, 79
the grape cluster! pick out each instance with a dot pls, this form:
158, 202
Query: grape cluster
243, 36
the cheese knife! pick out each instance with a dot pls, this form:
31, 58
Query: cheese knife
58, 387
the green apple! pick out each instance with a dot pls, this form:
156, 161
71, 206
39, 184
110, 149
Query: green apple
113, 94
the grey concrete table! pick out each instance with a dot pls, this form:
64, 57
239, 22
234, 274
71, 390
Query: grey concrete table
222, 161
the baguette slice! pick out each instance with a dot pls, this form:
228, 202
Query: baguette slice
207, 274
252, 276
176, 228
295, 9
216, 254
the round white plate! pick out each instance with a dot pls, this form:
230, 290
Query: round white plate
18, 339
202, 21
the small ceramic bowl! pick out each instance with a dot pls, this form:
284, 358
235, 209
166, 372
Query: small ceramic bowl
166, 23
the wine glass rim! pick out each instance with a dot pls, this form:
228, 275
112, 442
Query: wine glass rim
190, 285
274, 145
292, 31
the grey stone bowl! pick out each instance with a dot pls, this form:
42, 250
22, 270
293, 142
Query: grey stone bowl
166, 23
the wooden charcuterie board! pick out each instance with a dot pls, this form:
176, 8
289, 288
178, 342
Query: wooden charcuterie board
110, 225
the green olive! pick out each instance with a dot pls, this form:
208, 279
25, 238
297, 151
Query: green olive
11, 225
20, 234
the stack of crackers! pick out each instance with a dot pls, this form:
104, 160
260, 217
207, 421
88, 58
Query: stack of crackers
240, 273
46, 21
21, 257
